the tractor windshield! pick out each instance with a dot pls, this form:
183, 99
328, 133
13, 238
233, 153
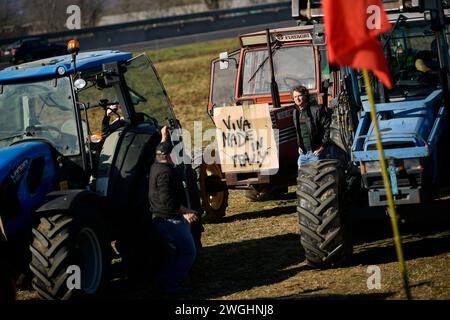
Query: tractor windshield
224, 82
293, 66
413, 59
43, 110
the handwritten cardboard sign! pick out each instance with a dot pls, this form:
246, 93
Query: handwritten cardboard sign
246, 139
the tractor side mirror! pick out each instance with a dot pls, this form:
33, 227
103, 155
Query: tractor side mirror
319, 35
434, 12
224, 64
224, 61
111, 73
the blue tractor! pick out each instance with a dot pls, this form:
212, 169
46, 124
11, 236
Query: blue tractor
77, 139
413, 123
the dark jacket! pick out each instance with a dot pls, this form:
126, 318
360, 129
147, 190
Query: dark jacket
107, 128
165, 191
318, 122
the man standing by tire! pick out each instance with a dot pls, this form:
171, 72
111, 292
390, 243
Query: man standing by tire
171, 219
312, 124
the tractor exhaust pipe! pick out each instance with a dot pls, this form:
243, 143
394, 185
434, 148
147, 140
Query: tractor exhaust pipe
273, 84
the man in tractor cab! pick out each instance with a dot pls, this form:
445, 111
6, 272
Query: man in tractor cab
426, 61
171, 219
312, 124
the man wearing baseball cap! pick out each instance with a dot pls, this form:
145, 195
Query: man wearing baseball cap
171, 219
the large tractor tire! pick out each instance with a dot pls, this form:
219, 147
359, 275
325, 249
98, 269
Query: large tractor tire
213, 192
258, 193
63, 240
323, 223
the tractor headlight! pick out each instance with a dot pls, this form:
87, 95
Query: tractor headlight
370, 167
412, 164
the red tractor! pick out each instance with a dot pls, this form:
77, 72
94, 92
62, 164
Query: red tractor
262, 72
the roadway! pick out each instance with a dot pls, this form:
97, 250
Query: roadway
199, 37
189, 39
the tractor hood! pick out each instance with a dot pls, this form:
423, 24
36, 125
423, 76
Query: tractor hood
403, 124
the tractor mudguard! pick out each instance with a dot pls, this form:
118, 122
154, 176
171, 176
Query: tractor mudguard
65, 200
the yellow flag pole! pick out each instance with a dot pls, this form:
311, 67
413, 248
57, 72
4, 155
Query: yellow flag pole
387, 186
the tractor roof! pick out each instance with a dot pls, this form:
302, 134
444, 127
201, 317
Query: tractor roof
49, 67
304, 28
296, 33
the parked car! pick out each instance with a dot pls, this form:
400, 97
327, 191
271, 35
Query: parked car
30, 49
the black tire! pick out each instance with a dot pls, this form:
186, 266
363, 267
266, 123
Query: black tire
64, 239
323, 223
214, 203
265, 192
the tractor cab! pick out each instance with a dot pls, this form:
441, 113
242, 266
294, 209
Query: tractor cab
411, 50
65, 104
244, 76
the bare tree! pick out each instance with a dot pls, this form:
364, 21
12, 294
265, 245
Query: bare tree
91, 11
48, 15
7, 21
164, 4
126, 6
212, 4
51, 15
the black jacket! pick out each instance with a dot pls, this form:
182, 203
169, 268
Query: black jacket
165, 191
107, 128
318, 122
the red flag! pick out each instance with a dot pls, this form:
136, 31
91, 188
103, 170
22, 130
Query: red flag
352, 29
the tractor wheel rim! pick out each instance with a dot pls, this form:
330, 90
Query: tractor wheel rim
215, 200
92, 261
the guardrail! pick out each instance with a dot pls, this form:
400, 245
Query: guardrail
167, 27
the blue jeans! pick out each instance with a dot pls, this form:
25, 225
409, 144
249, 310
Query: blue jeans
308, 157
176, 234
